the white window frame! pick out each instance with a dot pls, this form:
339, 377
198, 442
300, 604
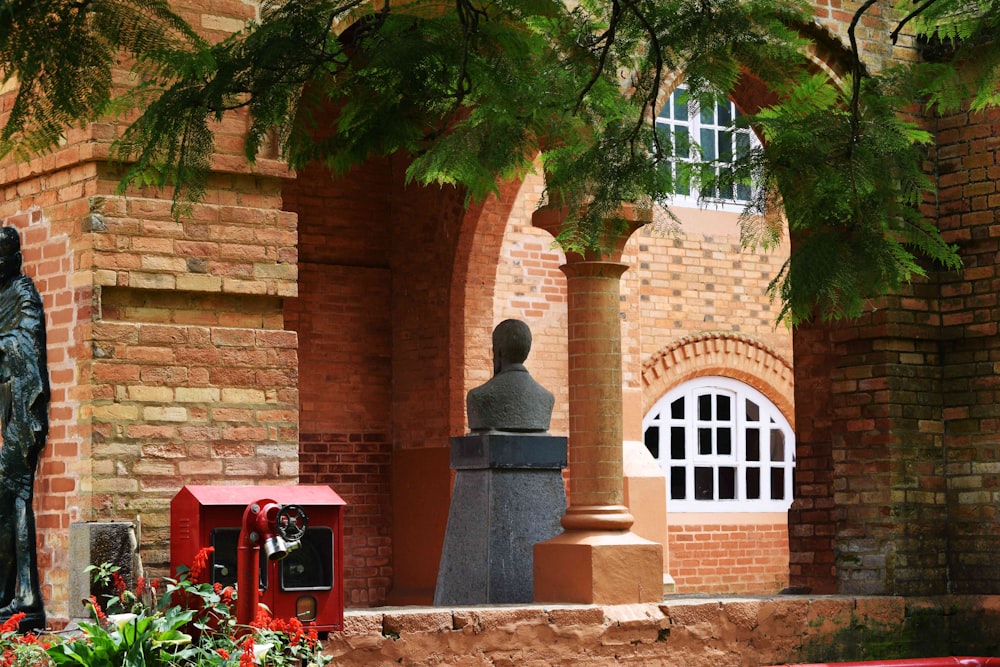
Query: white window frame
773, 431
699, 126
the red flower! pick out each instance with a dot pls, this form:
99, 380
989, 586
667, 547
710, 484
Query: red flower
12, 623
140, 586
225, 654
290, 626
261, 618
119, 583
200, 566
246, 658
98, 612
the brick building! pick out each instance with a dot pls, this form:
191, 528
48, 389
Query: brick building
297, 328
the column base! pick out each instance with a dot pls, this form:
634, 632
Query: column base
598, 567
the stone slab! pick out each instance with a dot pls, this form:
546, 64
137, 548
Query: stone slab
508, 450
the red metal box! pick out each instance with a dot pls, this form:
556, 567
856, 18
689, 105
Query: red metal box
308, 583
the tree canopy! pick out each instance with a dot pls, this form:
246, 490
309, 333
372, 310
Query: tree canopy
478, 91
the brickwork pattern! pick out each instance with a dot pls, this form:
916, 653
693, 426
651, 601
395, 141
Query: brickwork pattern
720, 558
341, 319
186, 403
729, 355
706, 282
968, 161
903, 405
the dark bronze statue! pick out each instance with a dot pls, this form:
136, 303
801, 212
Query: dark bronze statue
24, 403
512, 400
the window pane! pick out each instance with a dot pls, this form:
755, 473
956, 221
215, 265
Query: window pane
722, 408
704, 484
753, 412
725, 188
680, 105
727, 483
753, 483
708, 115
677, 409
724, 445
705, 407
725, 115
743, 192
652, 440
705, 441
753, 444
742, 144
678, 482
777, 483
664, 136
682, 180
726, 146
777, 445
677, 442
708, 151
682, 142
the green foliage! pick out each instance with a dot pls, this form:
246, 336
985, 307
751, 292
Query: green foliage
129, 640
184, 624
964, 34
851, 187
60, 54
473, 92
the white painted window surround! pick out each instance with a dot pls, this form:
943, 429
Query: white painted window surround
723, 447
710, 133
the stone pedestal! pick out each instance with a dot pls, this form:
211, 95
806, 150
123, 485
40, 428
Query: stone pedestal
598, 567
509, 494
97, 543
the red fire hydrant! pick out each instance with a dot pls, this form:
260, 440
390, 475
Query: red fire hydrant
275, 528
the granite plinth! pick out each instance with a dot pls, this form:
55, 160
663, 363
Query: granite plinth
480, 451
509, 495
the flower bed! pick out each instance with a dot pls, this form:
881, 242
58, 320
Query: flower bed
168, 623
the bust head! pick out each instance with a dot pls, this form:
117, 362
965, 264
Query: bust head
511, 344
10, 254
511, 400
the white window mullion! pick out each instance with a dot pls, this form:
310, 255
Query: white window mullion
722, 391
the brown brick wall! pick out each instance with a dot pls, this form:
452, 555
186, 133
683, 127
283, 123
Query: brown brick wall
729, 557
897, 412
969, 167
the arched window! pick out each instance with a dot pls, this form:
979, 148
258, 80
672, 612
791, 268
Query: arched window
708, 132
723, 446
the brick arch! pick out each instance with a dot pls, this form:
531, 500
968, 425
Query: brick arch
720, 353
473, 285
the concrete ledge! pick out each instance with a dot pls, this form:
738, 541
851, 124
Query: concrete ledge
689, 631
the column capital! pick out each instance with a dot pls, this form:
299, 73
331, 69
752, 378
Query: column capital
552, 218
577, 267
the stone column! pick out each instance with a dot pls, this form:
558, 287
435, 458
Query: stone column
597, 559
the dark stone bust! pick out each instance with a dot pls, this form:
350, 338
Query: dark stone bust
511, 400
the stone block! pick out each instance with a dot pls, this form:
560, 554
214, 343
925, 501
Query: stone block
509, 494
597, 567
97, 543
